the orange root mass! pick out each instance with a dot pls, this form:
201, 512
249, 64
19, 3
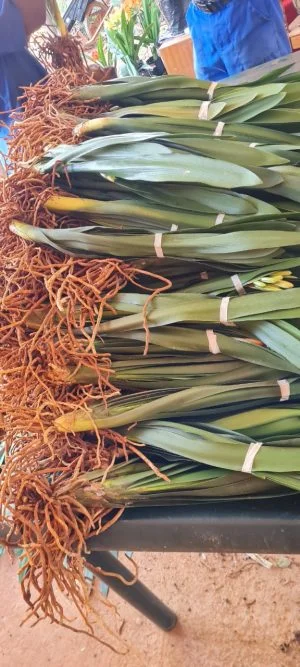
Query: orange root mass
51, 307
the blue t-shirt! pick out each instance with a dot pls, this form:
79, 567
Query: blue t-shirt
18, 67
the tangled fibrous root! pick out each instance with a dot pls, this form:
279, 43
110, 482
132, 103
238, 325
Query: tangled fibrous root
49, 115
49, 524
61, 51
50, 310
66, 52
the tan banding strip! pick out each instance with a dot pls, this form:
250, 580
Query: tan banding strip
224, 310
212, 89
158, 245
212, 342
219, 129
237, 284
253, 449
219, 219
285, 390
203, 111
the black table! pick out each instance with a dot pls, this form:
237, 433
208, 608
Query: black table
261, 526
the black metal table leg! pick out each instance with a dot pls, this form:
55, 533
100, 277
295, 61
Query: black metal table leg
137, 594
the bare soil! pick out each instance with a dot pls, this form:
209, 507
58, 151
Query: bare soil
232, 612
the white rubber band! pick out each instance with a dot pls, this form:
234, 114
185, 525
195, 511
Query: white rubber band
157, 245
253, 449
174, 228
204, 275
212, 342
285, 390
212, 89
203, 111
224, 310
219, 129
219, 219
237, 284
253, 145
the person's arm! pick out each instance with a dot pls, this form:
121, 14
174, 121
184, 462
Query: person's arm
33, 13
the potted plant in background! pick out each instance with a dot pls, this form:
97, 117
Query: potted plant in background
130, 37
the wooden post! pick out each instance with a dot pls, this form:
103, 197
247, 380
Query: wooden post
177, 55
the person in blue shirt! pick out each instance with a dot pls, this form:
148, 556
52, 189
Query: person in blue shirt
230, 36
18, 67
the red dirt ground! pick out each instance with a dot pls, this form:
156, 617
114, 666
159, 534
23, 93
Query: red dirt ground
232, 613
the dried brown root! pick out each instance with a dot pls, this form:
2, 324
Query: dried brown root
49, 115
50, 310
39, 504
61, 51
